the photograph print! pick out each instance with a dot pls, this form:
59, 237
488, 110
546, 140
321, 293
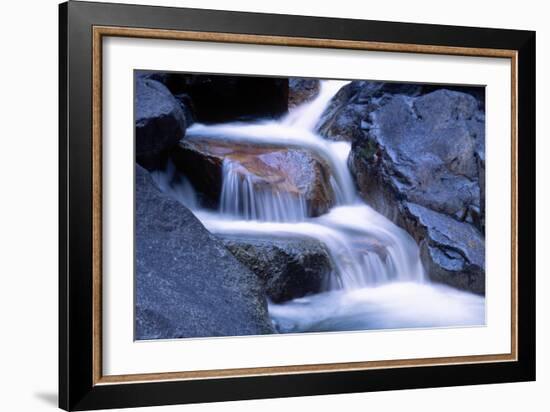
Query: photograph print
270, 205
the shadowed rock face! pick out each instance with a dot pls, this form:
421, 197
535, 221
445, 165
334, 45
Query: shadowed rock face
418, 158
221, 98
291, 171
288, 268
175, 296
301, 90
160, 119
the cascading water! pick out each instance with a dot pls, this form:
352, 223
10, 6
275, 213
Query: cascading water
306, 116
177, 185
377, 279
241, 197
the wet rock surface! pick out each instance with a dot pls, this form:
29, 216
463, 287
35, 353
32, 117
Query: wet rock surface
289, 268
290, 171
187, 283
301, 90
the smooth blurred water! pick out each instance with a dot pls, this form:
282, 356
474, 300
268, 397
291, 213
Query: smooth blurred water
177, 185
241, 197
377, 279
307, 115
365, 248
389, 306
278, 134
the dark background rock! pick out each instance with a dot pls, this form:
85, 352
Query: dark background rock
289, 268
187, 283
160, 120
424, 146
301, 90
222, 98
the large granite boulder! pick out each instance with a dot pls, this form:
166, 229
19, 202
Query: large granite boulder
426, 149
160, 120
288, 267
290, 172
418, 158
187, 283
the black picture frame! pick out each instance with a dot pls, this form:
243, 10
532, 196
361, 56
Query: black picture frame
77, 390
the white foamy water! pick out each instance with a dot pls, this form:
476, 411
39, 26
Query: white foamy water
177, 185
393, 305
365, 248
242, 198
307, 115
278, 134
377, 279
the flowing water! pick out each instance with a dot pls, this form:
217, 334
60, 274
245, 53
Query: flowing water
377, 278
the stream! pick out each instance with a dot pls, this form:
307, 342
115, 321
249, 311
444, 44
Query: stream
377, 279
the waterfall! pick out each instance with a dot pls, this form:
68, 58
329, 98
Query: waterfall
348, 230
241, 197
367, 251
177, 185
342, 231
280, 134
307, 115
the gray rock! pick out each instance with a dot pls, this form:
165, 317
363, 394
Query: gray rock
354, 102
160, 119
343, 117
345, 126
301, 90
425, 149
289, 268
452, 252
187, 283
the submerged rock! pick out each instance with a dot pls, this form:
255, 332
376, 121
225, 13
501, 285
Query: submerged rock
289, 268
160, 120
418, 158
301, 90
187, 283
293, 172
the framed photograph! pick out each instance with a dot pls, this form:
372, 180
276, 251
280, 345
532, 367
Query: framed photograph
256, 205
